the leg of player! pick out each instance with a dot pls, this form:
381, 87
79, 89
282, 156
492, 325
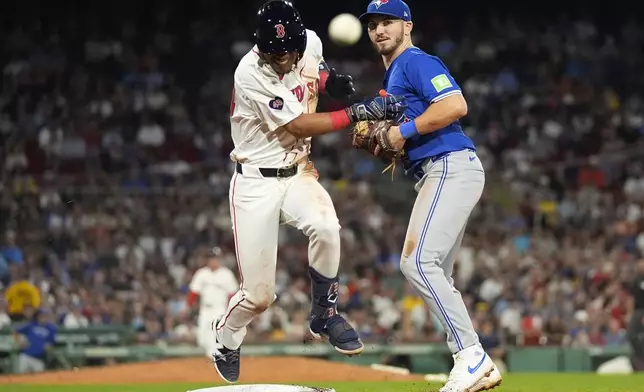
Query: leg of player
495, 378
255, 211
308, 207
204, 332
447, 194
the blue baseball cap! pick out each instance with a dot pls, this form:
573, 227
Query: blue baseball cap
395, 8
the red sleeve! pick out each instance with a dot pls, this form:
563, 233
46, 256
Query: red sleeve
192, 298
332, 105
324, 75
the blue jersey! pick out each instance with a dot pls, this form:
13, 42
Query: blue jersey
423, 79
38, 336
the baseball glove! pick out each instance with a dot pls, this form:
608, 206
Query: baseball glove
373, 137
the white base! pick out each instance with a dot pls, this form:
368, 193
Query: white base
263, 388
618, 365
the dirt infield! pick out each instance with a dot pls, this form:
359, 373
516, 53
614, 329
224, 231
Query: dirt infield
254, 370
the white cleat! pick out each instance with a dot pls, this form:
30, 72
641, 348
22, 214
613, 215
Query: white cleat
471, 365
490, 382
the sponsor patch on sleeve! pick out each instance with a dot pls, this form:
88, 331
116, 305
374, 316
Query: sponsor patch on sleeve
441, 82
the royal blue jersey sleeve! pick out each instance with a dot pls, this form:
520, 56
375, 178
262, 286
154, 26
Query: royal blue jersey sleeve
430, 78
24, 329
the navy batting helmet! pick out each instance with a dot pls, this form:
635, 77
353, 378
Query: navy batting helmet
280, 28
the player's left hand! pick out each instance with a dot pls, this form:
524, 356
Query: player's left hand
382, 139
339, 86
396, 138
378, 138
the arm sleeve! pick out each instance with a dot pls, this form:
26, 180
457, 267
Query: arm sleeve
430, 78
191, 298
196, 283
23, 330
272, 101
314, 46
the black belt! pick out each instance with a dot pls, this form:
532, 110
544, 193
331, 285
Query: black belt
280, 172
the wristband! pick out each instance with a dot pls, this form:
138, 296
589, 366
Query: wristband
340, 119
408, 129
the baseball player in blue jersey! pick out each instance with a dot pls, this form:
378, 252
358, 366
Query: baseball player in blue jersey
450, 182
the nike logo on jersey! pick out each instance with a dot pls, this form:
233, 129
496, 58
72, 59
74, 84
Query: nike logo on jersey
472, 158
478, 365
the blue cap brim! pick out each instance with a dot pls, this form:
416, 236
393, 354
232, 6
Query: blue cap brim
361, 17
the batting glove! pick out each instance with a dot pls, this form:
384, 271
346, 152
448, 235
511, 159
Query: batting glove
339, 86
389, 107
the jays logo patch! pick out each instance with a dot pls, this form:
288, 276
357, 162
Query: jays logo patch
378, 3
276, 103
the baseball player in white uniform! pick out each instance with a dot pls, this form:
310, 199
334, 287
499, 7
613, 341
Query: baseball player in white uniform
213, 285
276, 87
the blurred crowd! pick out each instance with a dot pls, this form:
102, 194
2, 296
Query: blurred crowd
115, 175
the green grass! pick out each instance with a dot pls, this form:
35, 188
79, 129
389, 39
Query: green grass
511, 383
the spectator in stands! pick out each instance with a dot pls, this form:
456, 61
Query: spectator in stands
5, 321
22, 298
10, 251
152, 330
636, 325
185, 330
490, 339
36, 339
5, 273
74, 318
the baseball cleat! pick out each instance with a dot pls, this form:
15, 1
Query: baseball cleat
471, 365
338, 332
226, 361
490, 382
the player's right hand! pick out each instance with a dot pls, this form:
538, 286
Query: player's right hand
389, 107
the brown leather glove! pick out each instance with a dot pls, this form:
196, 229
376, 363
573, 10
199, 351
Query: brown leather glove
373, 136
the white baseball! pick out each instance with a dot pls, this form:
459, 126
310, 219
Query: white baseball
345, 30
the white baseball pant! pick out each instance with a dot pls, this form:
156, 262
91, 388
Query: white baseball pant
258, 205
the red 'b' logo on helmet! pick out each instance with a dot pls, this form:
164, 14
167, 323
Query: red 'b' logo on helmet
280, 32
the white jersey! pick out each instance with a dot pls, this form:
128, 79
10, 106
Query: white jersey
214, 288
263, 102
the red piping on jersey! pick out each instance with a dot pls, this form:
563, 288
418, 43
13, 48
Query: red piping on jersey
192, 298
236, 239
324, 75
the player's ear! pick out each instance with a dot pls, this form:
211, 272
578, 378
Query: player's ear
408, 27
